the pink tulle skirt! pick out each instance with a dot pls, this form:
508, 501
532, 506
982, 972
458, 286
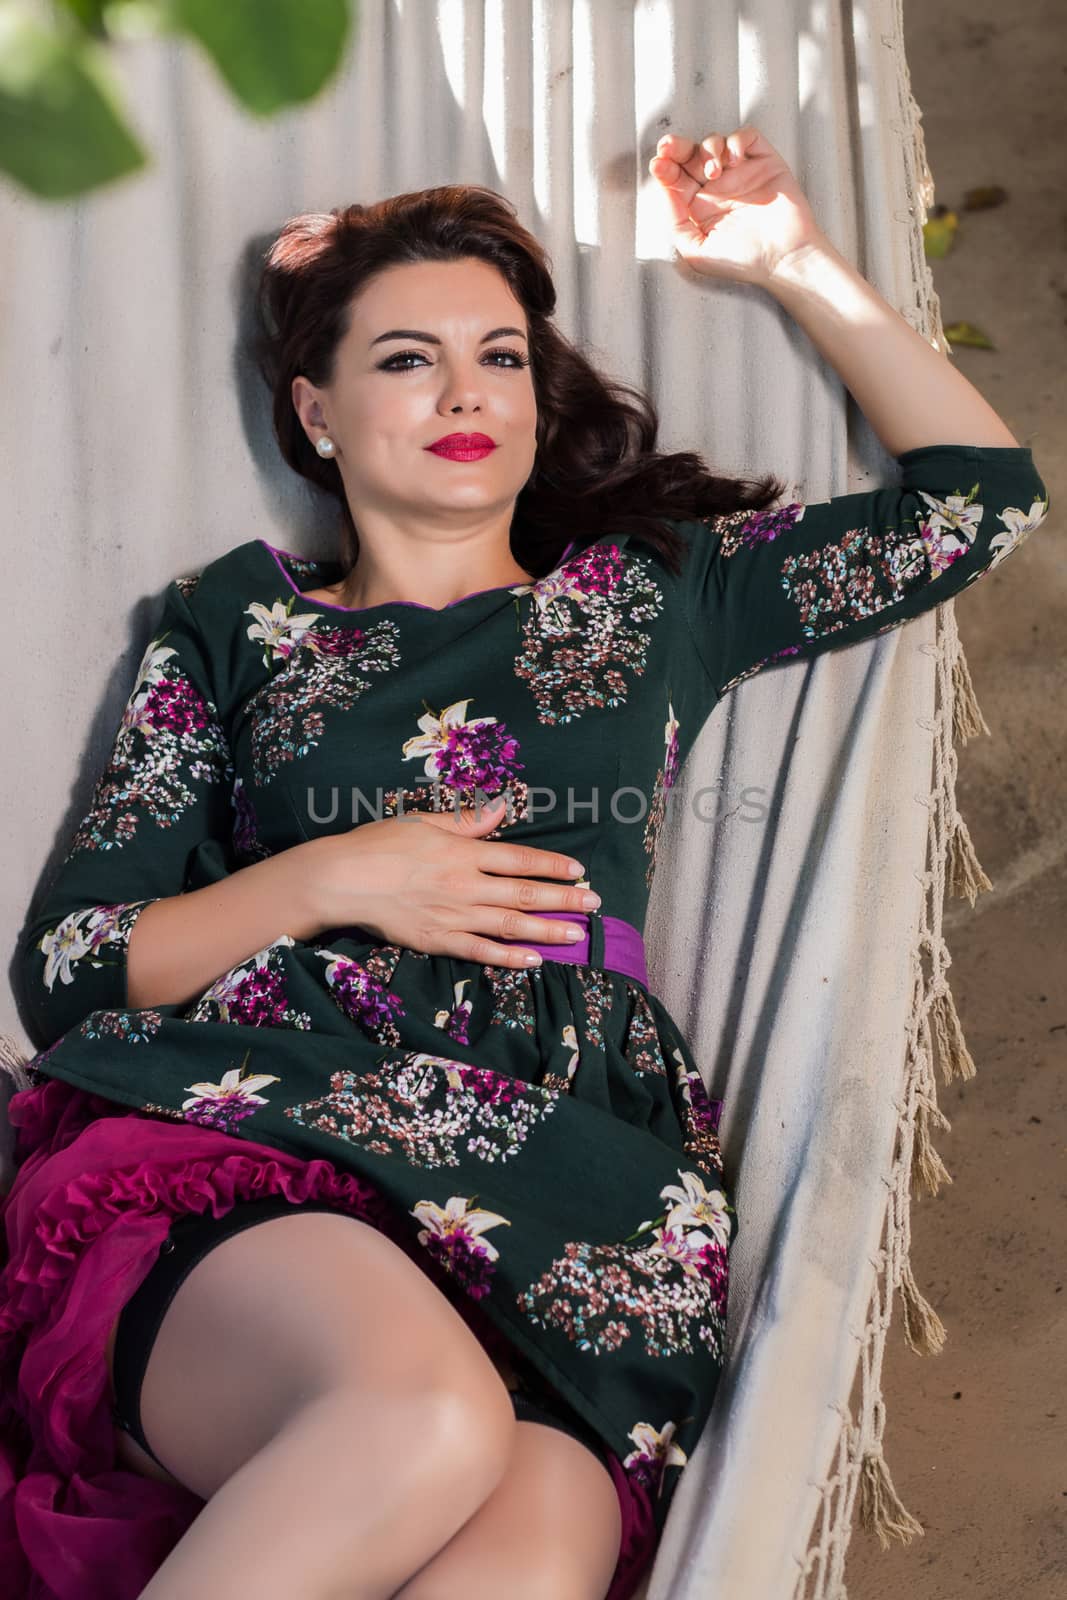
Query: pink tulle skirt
96, 1189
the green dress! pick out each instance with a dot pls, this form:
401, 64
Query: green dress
544, 1133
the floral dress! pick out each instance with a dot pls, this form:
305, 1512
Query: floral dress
540, 1139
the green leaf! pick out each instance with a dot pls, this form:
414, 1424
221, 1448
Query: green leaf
62, 129
968, 333
272, 53
939, 232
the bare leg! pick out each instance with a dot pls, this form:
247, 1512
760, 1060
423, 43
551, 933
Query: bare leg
335, 1412
550, 1530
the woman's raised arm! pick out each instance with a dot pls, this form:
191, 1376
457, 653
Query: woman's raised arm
761, 587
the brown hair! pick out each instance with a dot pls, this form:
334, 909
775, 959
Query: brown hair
597, 467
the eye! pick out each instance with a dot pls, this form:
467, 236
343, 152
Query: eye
389, 366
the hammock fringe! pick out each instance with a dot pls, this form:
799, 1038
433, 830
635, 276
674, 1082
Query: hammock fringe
967, 718
952, 1052
923, 1328
859, 1472
881, 1509
928, 1171
966, 875
14, 1063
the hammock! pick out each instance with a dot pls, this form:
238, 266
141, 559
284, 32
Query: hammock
795, 924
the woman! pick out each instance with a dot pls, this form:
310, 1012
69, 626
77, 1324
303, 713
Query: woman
389, 1263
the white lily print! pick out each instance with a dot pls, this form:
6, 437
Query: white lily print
569, 1037
460, 1010
149, 673
233, 1088
448, 1064
455, 1217
697, 1207
683, 1248
81, 934
949, 532
653, 1446
279, 630
434, 738
548, 592
1018, 524
681, 1075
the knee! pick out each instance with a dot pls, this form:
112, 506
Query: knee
468, 1429
451, 1432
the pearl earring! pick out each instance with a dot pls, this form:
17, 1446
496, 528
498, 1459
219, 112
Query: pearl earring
325, 446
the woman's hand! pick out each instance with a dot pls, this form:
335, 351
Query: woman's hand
738, 210
430, 882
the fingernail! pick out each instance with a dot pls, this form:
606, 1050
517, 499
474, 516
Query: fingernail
572, 935
532, 959
576, 869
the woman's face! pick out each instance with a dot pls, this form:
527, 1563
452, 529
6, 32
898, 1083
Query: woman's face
392, 397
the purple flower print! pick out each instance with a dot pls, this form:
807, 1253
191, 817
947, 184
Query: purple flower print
670, 761
245, 828
174, 704
770, 524
454, 1021
654, 1452
257, 999
482, 756
222, 1106
451, 1237
327, 641
490, 1088
463, 755
596, 570
169, 738
252, 994
363, 997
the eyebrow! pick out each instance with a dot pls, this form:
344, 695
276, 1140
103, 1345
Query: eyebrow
431, 338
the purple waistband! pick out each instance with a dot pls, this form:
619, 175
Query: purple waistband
624, 946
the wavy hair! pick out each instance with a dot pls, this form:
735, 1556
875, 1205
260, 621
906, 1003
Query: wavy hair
596, 466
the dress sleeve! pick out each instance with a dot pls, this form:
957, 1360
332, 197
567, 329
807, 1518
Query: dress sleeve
794, 580
161, 804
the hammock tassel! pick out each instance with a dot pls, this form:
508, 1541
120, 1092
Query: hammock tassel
14, 1064
967, 718
965, 875
952, 1052
923, 1328
881, 1509
927, 1167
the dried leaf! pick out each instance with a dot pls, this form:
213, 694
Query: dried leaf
967, 333
985, 197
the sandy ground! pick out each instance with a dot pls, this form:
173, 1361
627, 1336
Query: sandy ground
976, 1437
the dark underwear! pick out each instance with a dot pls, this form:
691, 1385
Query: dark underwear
190, 1238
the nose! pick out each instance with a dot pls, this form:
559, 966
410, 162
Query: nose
465, 389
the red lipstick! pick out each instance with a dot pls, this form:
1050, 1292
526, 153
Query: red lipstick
463, 446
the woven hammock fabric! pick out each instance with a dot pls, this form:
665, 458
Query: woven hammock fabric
794, 930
